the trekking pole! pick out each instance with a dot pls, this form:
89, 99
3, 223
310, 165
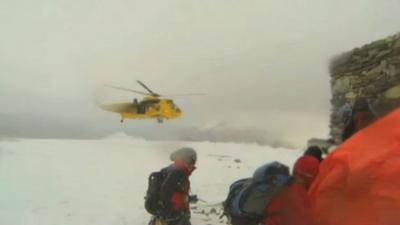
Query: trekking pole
195, 199
203, 201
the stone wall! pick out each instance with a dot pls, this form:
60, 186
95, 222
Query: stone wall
373, 72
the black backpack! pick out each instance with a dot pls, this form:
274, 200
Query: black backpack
248, 198
153, 203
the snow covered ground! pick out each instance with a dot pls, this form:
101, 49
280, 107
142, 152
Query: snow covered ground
103, 182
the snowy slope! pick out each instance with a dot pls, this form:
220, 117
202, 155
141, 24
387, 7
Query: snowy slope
102, 182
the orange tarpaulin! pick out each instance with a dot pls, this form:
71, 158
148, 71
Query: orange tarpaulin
359, 183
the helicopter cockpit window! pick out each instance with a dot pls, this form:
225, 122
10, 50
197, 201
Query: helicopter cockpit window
175, 107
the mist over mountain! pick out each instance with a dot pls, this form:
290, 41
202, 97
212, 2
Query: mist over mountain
15, 126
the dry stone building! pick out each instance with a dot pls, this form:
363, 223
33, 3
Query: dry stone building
371, 71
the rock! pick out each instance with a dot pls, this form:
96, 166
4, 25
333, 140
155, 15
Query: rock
392, 93
338, 100
389, 40
396, 44
395, 51
395, 60
383, 53
213, 211
383, 64
369, 90
372, 52
237, 161
381, 85
392, 71
351, 95
342, 85
377, 44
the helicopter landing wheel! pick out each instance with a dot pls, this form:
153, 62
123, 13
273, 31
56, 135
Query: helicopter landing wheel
159, 120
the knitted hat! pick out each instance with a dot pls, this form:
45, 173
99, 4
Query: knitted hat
306, 167
187, 154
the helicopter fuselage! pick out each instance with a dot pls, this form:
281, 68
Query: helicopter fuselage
149, 108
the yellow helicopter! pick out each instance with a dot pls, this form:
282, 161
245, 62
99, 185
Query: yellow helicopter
151, 107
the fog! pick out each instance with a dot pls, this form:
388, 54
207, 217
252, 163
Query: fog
263, 64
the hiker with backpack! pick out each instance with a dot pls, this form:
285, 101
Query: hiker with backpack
248, 198
291, 205
167, 197
272, 196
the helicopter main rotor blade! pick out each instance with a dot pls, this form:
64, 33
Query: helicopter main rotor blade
126, 89
148, 89
183, 95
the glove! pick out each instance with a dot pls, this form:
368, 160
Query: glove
193, 199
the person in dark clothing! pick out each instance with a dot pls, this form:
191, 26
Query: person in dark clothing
292, 206
175, 189
141, 107
360, 117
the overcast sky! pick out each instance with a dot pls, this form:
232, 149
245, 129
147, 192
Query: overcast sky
263, 63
